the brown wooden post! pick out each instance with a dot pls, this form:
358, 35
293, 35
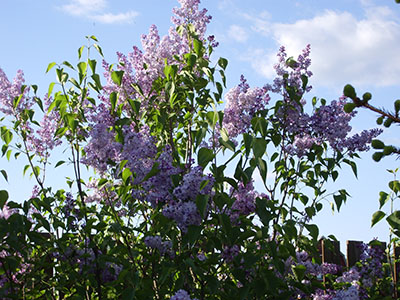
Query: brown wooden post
353, 252
331, 252
396, 254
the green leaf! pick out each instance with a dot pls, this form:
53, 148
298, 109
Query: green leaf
222, 62
397, 106
204, 156
113, 100
201, 203
92, 65
4, 174
349, 107
299, 271
82, 67
377, 144
126, 175
3, 198
394, 185
377, 156
80, 50
116, 77
154, 170
59, 163
349, 91
394, 220
383, 198
98, 48
376, 217
262, 167
259, 147
50, 66
197, 46
313, 230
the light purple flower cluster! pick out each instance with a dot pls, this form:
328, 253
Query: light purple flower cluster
191, 183
158, 187
229, 253
290, 73
245, 201
10, 276
142, 67
242, 102
85, 260
42, 140
155, 242
184, 211
350, 293
9, 91
101, 148
327, 124
6, 212
184, 214
182, 295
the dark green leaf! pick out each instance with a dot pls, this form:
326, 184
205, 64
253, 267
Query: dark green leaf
204, 156
376, 217
116, 77
349, 91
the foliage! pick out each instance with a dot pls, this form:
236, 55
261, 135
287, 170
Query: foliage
161, 217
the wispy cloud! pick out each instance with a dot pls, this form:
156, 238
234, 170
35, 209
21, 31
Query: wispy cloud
238, 33
345, 49
95, 10
109, 18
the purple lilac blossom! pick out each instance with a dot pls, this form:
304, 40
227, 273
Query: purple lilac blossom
101, 148
242, 102
42, 140
6, 212
142, 67
9, 91
155, 242
245, 201
158, 187
327, 124
182, 295
184, 214
229, 253
191, 183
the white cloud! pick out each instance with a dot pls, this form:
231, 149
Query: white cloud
238, 33
344, 49
109, 18
84, 7
95, 10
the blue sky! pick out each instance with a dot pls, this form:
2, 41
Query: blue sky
352, 41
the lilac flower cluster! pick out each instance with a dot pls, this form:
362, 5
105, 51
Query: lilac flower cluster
290, 73
85, 261
245, 201
9, 91
11, 277
350, 293
101, 148
164, 247
6, 212
182, 295
191, 182
229, 253
142, 67
327, 124
184, 214
42, 140
158, 187
184, 211
242, 102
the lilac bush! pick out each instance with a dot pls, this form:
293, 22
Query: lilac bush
161, 215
